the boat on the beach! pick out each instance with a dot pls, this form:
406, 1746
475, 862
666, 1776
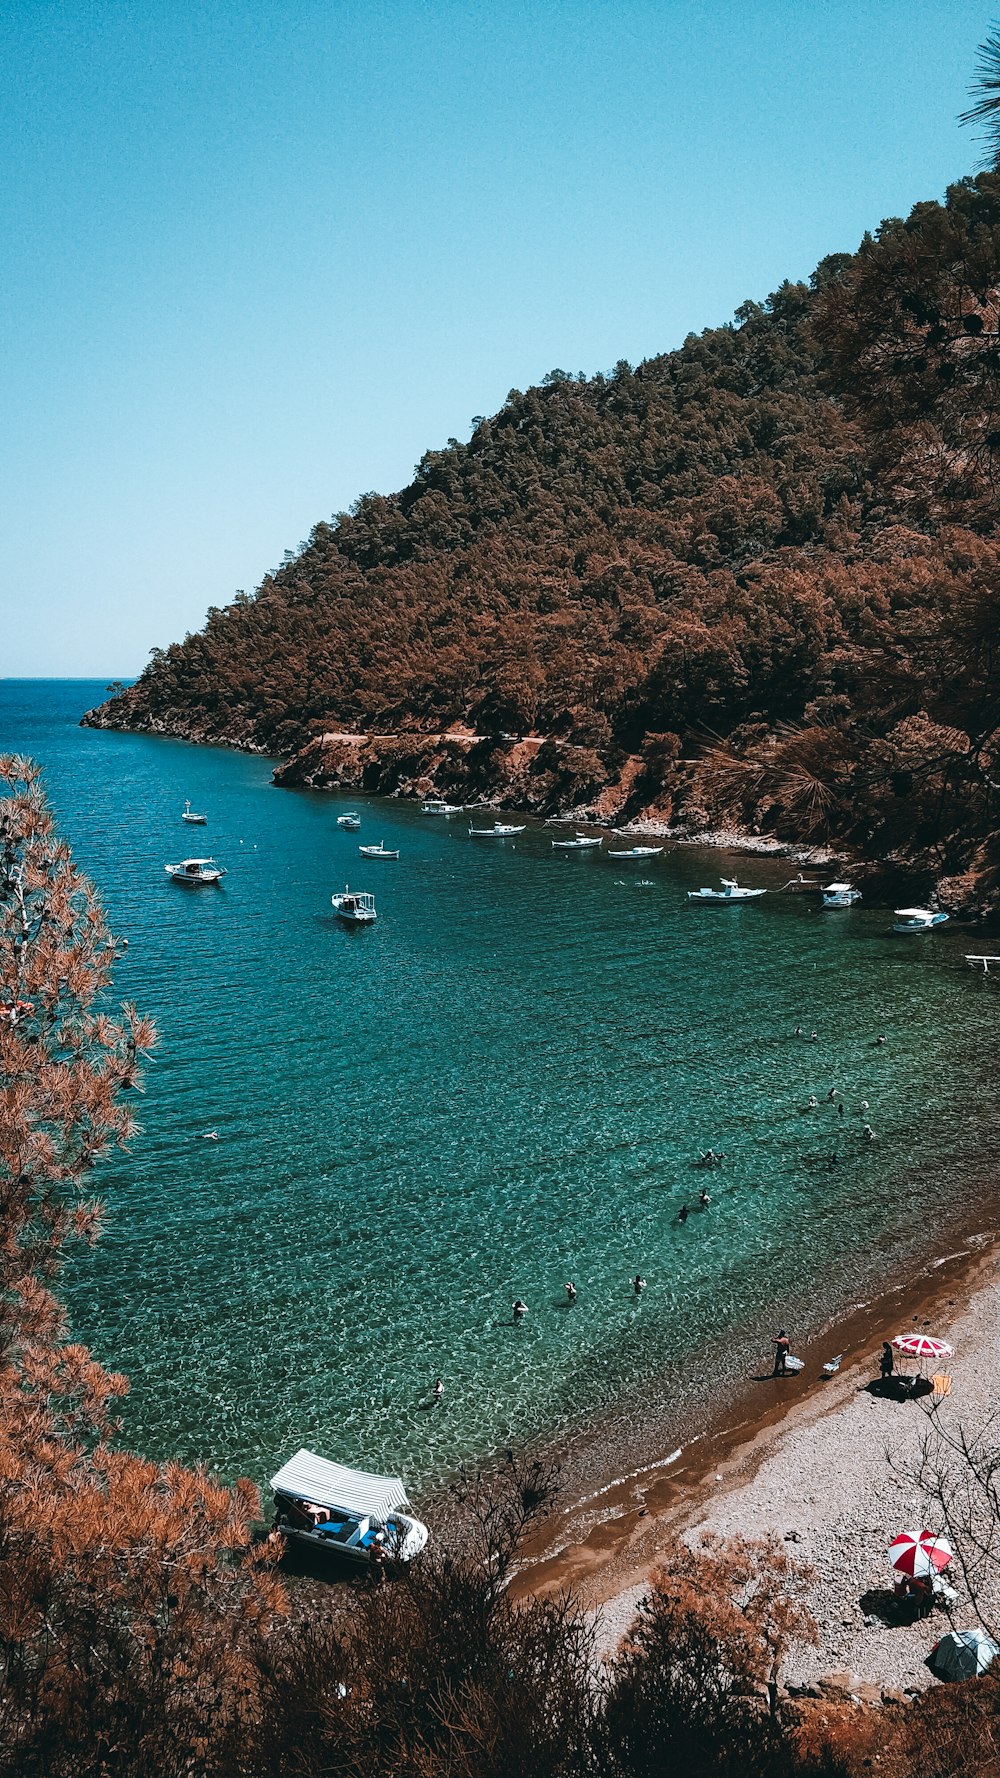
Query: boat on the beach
582, 842
638, 852
351, 821
195, 870
356, 906
840, 895
189, 814
499, 831
351, 1514
917, 919
730, 891
379, 851
436, 805
800, 883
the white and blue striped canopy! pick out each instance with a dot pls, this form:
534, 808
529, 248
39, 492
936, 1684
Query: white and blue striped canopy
309, 1477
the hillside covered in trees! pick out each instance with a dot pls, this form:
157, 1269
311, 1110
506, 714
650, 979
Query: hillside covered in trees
754, 582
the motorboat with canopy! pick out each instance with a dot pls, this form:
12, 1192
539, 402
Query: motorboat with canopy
351, 821
355, 906
195, 870
346, 1511
436, 805
189, 814
840, 895
917, 919
501, 830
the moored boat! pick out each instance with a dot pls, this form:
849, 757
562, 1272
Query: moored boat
501, 830
581, 843
730, 891
840, 895
917, 919
379, 851
351, 821
638, 852
188, 814
356, 906
347, 1512
195, 870
436, 805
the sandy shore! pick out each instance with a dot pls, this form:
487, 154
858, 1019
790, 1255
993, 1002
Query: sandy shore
822, 1465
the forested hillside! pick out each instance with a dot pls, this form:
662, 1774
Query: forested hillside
755, 581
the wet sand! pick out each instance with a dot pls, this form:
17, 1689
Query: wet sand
815, 1461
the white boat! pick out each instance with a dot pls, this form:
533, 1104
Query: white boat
435, 805
356, 906
582, 843
347, 1512
195, 870
917, 919
500, 830
351, 821
840, 895
638, 852
730, 891
379, 851
188, 814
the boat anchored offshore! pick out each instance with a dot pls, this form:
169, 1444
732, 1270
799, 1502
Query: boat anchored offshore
379, 851
351, 1514
188, 814
195, 870
357, 907
638, 852
730, 891
501, 830
435, 805
581, 843
917, 919
351, 821
840, 895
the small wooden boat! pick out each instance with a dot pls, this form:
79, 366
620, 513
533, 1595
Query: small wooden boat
435, 805
352, 1515
195, 871
351, 821
379, 851
188, 814
358, 908
730, 891
638, 852
917, 919
501, 830
581, 843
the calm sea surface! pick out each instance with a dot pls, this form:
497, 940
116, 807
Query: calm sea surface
502, 1085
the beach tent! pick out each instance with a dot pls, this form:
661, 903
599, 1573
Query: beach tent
961, 1654
919, 1553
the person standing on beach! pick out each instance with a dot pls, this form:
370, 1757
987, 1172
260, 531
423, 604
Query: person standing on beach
886, 1361
780, 1355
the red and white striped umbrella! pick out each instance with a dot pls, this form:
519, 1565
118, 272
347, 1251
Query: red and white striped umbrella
917, 1345
919, 1553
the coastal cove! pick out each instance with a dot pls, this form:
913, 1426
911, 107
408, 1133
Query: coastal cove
503, 1085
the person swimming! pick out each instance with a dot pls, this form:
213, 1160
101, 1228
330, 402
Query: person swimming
438, 1390
638, 1284
683, 1213
520, 1311
813, 1101
703, 1199
570, 1290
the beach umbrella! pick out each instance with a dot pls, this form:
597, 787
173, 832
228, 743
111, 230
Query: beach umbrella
921, 1346
919, 1553
961, 1654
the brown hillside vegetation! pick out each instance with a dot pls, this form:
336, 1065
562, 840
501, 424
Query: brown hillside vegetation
761, 569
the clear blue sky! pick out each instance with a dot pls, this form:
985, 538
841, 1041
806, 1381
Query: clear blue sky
259, 257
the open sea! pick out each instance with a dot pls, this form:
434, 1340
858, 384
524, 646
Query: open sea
502, 1085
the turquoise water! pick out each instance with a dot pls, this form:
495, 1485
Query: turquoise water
502, 1085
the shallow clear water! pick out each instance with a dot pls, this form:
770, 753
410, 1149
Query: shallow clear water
502, 1085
